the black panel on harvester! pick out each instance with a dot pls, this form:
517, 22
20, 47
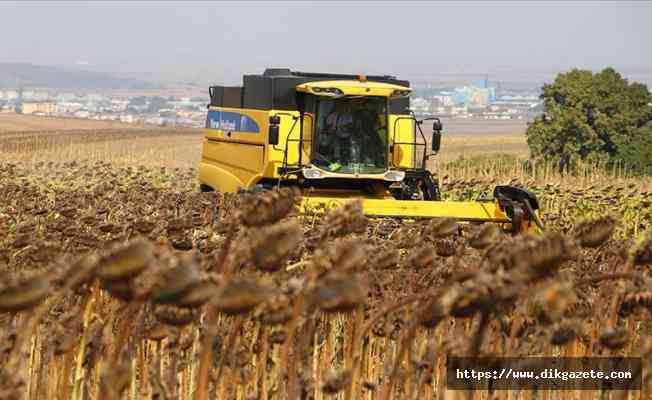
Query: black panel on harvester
257, 92
217, 94
232, 97
276, 88
271, 91
285, 95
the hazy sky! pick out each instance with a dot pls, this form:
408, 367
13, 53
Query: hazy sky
221, 40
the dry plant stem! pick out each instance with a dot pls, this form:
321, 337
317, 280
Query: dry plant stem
478, 338
302, 355
262, 364
227, 351
404, 345
615, 302
158, 361
30, 366
210, 324
389, 309
65, 376
131, 314
296, 265
325, 356
172, 373
88, 310
289, 342
315, 357
356, 337
53, 376
28, 326
421, 383
133, 389
224, 253
144, 367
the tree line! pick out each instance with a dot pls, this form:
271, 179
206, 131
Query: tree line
598, 117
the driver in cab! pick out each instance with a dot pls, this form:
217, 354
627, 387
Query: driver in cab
340, 126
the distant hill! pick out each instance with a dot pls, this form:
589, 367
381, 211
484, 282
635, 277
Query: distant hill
30, 75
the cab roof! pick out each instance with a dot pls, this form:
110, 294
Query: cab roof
354, 87
277, 88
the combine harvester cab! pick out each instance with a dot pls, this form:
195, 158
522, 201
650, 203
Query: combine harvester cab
339, 137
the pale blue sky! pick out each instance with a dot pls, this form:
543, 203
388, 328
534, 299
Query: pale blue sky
190, 40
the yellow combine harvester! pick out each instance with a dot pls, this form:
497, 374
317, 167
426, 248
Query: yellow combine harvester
338, 137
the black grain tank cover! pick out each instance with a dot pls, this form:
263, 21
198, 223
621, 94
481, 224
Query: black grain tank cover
276, 89
226, 96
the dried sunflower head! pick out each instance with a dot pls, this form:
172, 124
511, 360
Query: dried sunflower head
173, 315
269, 207
565, 331
173, 284
199, 294
338, 292
422, 257
641, 252
275, 311
553, 301
484, 236
342, 255
442, 227
614, 338
125, 262
445, 247
348, 218
22, 293
273, 245
594, 232
240, 296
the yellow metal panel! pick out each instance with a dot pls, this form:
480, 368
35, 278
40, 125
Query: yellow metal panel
240, 160
219, 178
462, 210
402, 131
354, 88
232, 159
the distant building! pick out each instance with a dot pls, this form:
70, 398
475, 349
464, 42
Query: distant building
69, 107
11, 94
8, 108
45, 108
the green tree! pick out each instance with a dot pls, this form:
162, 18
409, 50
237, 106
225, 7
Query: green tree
636, 151
594, 117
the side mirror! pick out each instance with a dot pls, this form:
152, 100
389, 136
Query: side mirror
436, 125
273, 135
274, 122
436, 141
436, 134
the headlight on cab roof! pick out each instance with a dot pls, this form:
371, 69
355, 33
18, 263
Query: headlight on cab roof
394, 176
327, 91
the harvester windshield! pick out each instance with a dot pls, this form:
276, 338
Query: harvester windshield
351, 135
